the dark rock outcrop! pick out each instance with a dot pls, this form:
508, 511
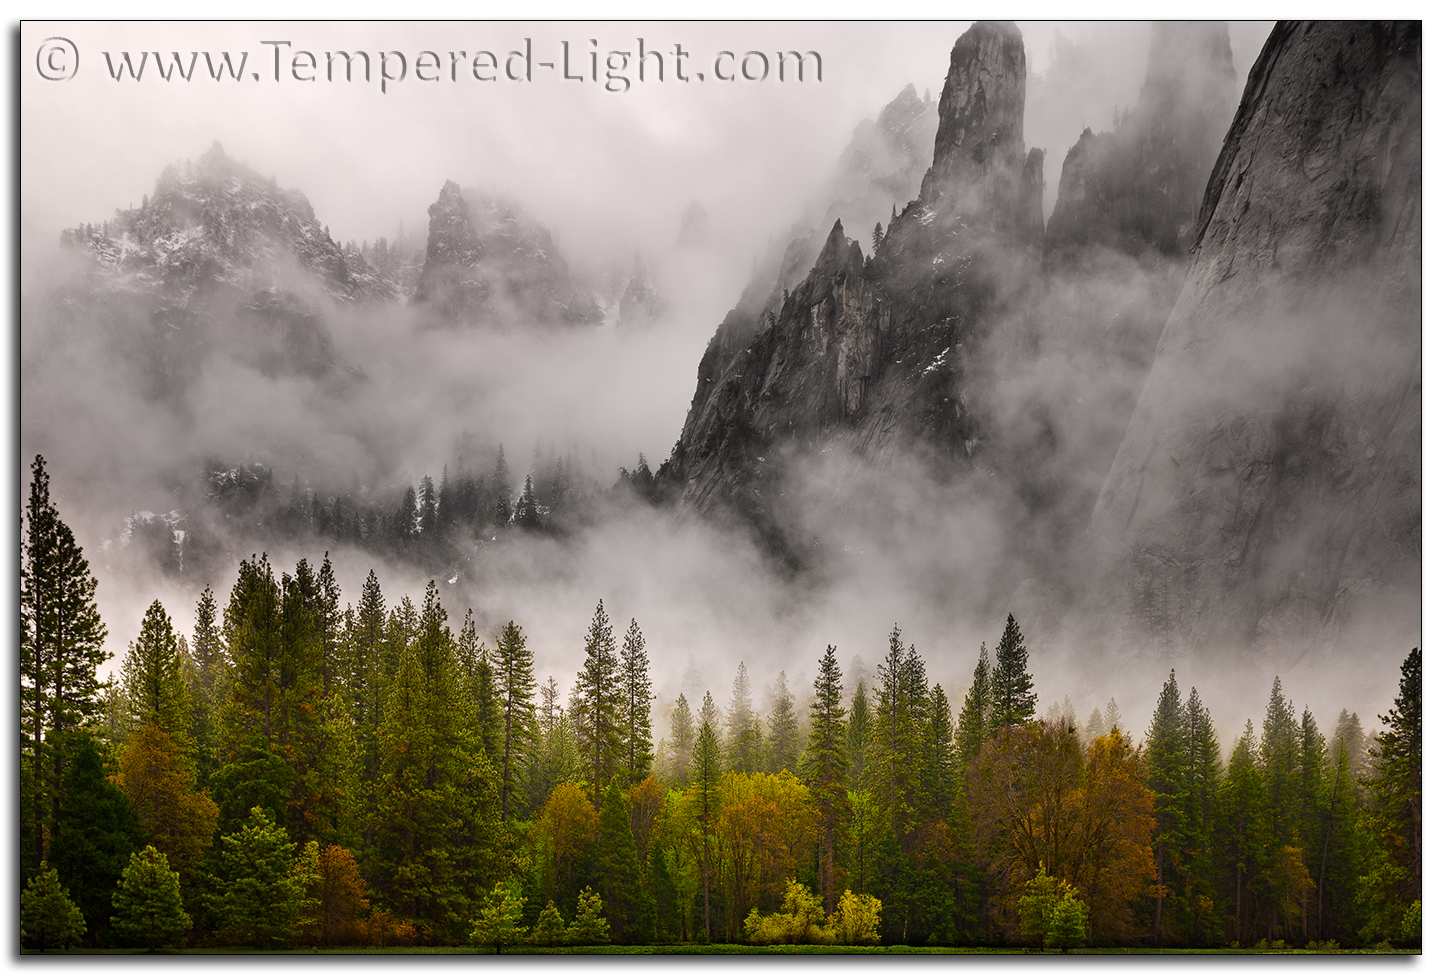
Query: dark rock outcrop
1139, 188
488, 263
875, 356
1267, 492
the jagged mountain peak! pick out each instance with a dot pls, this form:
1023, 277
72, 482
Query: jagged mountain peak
216, 219
488, 262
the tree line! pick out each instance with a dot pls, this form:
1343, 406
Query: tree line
298, 771
431, 524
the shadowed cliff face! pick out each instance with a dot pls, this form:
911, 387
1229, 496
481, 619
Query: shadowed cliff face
1138, 189
1267, 491
868, 356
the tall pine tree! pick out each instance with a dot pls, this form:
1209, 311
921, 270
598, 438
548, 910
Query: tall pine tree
596, 707
636, 705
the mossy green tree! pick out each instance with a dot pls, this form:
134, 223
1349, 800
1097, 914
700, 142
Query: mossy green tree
147, 902
630, 910
589, 926
263, 893
550, 929
498, 922
48, 917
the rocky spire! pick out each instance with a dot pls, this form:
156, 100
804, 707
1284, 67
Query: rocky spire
978, 170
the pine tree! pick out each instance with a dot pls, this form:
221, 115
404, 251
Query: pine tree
858, 735
895, 750
596, 706
209, 685
683, 738
437, 824
48, 917
1096, 726
501, 488
150, 677
590, 926
1244, 828
517, 686
743, 728
262, 893
147, 901
938, 776
709, 713
61, 645
428, 508
95, 835
630, 911
974, 721
1396, 779
825, 771
1112, 719
1201, 781
704, 797
1013, 700
499, 920
784, 741
1165, 765
528, 509
636, 705
876, 237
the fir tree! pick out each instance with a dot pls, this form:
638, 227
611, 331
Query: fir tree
501, 487
1396, 779
528, 509
938, 777
517, 686
596, 706
784, 741
636, 705
683, 737
974, 721
1112, 718
95, 835
826, 769
150, 677
1013, 700
61, 645
630, 911
1166, 770
704, 797
858, 735
428, 508
743, 728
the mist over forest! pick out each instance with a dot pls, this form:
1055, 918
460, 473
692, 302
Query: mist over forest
362, 397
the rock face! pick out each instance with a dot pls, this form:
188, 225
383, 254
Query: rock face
871, 355
218, 258
218, 221
487, 263
1267, 491
1139, 188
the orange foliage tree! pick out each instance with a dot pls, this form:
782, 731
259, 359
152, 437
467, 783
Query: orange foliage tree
160, 783
764, 825
1036, 798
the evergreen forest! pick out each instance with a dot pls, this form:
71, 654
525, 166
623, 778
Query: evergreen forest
314, 768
